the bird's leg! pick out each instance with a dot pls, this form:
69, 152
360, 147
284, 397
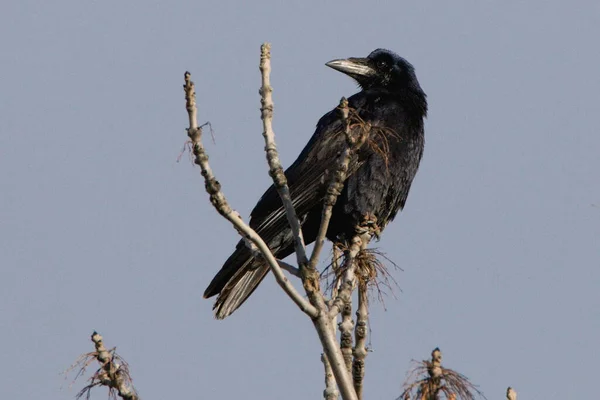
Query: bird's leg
369, 225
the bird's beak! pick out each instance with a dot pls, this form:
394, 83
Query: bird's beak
354, 67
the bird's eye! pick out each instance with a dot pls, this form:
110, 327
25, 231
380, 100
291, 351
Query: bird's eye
381, 64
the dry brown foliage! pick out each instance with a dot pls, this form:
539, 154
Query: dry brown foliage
428, 380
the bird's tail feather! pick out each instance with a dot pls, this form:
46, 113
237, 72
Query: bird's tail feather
236, 281
238, 289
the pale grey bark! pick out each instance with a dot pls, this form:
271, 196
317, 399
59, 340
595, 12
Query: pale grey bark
360, 333
275, 168
348, 279
346, 339
331, 392
113, 372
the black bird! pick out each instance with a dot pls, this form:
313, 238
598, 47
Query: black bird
378, 179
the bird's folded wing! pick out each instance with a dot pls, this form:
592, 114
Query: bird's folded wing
308, 182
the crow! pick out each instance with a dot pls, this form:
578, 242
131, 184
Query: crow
377, 182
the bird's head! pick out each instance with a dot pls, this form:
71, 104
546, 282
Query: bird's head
382, 69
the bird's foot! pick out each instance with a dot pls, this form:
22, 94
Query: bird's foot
369, 225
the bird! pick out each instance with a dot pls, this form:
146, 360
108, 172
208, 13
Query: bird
379, 176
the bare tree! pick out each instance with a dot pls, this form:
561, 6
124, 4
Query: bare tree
354, 268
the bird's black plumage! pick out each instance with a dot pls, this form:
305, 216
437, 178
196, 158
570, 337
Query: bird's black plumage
378, 179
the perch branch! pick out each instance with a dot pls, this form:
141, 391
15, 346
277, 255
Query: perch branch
275, 168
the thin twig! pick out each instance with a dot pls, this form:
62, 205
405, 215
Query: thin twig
275, 168
218, 200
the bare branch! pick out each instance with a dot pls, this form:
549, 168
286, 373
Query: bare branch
275, 168
326, 318
325, 329
289, 268
346, 340
218, 200
331, 392
348, 279
360, 333
359, 241
113, 372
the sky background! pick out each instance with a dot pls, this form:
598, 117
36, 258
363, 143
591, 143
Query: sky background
102, 229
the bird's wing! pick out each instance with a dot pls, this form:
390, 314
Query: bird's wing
308, 178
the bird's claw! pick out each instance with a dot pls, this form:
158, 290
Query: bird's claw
369, 225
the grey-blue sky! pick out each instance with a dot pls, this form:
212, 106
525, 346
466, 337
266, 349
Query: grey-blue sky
101, 229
